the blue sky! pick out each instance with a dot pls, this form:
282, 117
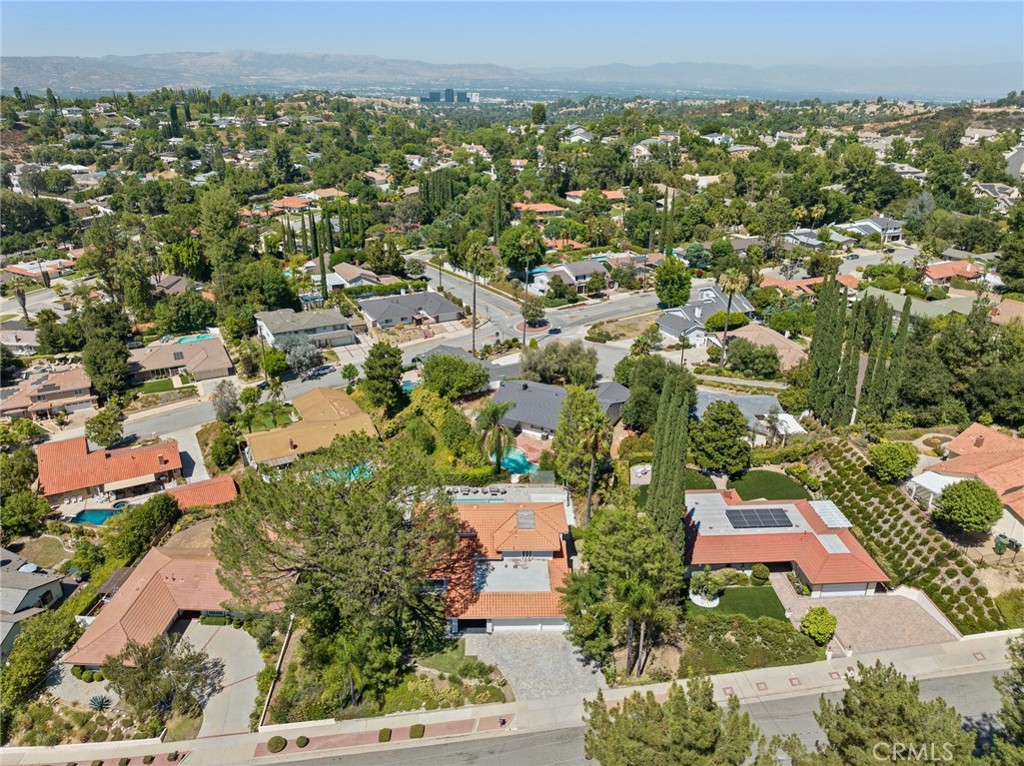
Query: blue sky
532, 34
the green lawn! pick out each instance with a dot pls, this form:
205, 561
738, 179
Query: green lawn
181, 728
768, 485
42, 551
158, 386
752, 601
1011, 604
447, 660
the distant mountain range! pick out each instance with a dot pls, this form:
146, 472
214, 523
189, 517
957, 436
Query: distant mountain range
250, 71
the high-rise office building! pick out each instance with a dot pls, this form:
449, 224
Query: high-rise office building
449, 95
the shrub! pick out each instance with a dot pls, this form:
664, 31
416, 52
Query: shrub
99, 703
302, 741
76, 671
97, 763
892, 461
731, 576
148, 759
124, 761
172, 756
485, 694
416, 731
820, 624
97, 675
384, 735
100, 735
759, 574
87, 676
276, 744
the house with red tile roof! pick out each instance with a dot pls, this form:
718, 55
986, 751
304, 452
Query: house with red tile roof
989, 456
511, 560
806, 287
203, 494
811, 537
543, 209
612, 195
69, 469
291, 204
943, 272
167, 583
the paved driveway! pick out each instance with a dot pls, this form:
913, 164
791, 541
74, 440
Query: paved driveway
537, 664
228, 711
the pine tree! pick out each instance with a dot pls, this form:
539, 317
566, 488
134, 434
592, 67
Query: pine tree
894, 379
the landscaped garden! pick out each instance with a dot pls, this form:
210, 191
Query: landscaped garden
749, 601
902, 539
729, 643
755, 484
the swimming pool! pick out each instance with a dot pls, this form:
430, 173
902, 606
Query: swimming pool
194, 338
96, 517
408, 386
515, 462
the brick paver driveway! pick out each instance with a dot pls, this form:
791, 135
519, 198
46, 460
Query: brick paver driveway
537, 664
868, 623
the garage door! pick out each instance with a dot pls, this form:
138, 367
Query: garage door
844, 589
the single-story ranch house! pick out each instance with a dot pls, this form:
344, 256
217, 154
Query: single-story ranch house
812, 537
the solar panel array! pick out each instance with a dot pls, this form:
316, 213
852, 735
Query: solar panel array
757, 518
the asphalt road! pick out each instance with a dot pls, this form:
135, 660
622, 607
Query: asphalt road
973, 695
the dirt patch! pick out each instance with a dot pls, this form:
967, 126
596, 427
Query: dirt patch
1002, 578
627, 327
199, 535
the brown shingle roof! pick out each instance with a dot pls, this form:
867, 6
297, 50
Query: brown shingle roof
791, 353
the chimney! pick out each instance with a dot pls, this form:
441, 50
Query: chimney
980, 441
292, 444
160, 459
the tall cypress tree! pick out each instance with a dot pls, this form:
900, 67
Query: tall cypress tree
842, 408
661, 446
874, 376
305, 238
826, 348
666, 501
894, 379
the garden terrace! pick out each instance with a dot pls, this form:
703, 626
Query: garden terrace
903, 540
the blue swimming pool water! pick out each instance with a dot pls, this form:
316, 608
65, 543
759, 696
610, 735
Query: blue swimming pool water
194, 338
96, 518
408, 386
358, 472
515, 462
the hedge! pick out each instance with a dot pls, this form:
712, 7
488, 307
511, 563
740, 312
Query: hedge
416, 731
362, 291
384, 735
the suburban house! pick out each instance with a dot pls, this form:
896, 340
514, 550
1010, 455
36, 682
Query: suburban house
20, 342
540, 209
291, 204
922, 309
805, 288
812, 537
202, 359
514, 552
412, 308
953, 254
574, 273
35, 269
44, 395
719, 139
536, 407
612, 195
908, 171
323, 327
171, 284
612, 397
167, 584
1003, 195
688, 321
23, 593
943, 272
577, 134
68, 469
791, 353
762, 412
1007, 310
353, 275
992, 458
808, 238
326, 413
888, 229
206, 493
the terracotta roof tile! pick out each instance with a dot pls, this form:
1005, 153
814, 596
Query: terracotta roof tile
69, 466
215, 491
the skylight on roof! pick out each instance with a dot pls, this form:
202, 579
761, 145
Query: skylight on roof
526, 520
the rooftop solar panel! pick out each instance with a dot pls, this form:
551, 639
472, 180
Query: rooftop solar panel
757, 518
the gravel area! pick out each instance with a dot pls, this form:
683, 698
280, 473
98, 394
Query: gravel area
537, 664
64, 686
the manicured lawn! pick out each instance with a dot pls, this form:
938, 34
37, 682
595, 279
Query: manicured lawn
446, 661
157, 386
41, 551
751, 601
768, 485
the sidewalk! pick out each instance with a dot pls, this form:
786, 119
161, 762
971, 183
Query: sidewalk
985, 653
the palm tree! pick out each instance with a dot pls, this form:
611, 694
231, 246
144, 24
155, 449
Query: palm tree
595, 438
732, 281
275, 389
19, 293
495, 437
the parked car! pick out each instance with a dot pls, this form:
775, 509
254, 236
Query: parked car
853, 257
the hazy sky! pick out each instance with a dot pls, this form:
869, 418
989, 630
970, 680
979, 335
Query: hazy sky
534, 34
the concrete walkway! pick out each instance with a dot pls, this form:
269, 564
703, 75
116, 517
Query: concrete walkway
984, 653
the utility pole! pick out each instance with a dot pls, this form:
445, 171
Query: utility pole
475, 265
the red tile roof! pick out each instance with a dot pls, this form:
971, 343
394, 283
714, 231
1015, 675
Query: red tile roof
538, 207
203, 493
950, 269
495, 525
990, 457
291, 203
69, 466
804, 549
167, 581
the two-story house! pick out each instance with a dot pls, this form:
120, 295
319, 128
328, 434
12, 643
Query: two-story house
323, 327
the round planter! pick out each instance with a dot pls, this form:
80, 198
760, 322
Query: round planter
707, 603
